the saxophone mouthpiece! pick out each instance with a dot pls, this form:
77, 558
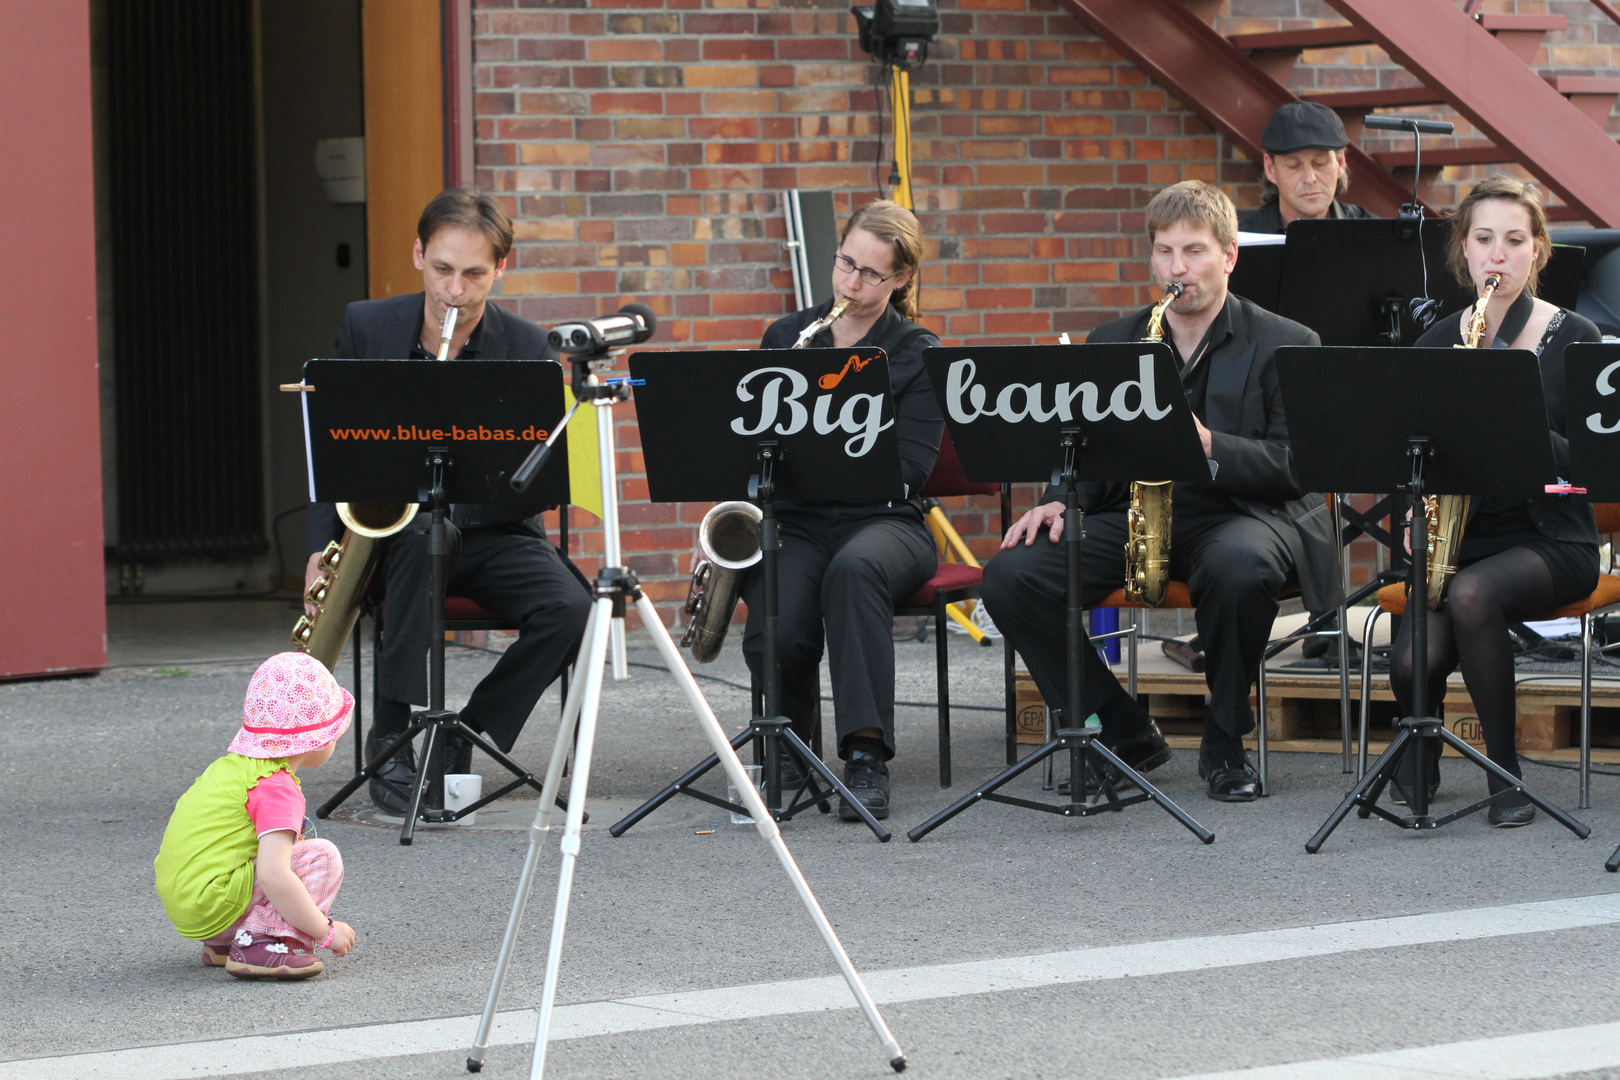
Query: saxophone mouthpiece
1493, 281
1174, 289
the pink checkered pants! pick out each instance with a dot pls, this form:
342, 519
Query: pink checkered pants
320, 867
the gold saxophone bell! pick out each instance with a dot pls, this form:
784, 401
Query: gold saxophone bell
1447, 515
1147, 522
728, 537
346, 568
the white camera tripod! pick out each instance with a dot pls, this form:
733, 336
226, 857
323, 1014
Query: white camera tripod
615, 587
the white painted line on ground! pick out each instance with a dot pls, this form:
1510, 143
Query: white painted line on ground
1508, 1057
224, 1057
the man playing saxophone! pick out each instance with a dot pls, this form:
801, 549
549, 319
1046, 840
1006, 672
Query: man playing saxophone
500, 558
1238, 539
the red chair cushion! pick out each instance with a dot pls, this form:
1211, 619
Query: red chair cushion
947, 576
947, 478
1175, 596
459, 607
455, 607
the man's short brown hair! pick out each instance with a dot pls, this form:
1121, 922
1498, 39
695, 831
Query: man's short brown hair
1197, 204
470, 209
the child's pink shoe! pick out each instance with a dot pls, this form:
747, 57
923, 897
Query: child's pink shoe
216, 953
271, 958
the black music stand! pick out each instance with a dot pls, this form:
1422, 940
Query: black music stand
1012, 411
377, 429
807, 425
1592, 384
1420, 421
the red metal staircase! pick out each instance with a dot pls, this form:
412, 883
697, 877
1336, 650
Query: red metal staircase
1477, 65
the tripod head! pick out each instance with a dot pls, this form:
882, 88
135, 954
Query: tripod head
594, 346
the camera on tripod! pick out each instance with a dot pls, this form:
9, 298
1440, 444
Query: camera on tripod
897, 32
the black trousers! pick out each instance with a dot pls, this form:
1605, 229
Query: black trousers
514, 573
1234, 567
844, 568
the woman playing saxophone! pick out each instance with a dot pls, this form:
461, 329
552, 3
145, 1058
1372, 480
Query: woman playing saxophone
1518, 558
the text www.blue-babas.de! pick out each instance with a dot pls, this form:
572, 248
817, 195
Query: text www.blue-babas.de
412, 433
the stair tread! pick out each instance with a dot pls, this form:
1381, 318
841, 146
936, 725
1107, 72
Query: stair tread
1382, 97
1478, 153
1503, 21
1585, 84
1319, 37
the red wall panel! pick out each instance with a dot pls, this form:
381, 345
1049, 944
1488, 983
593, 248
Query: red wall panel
53, 614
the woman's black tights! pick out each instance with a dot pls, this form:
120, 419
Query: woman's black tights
1472, 629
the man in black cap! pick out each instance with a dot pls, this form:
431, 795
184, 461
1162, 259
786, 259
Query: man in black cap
1303, 154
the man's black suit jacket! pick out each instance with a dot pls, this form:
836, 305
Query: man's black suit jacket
389, 330
1249, 436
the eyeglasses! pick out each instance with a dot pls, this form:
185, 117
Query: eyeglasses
846, 265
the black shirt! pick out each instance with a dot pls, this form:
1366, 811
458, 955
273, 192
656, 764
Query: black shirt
1200, 496
917, 419
1267, 217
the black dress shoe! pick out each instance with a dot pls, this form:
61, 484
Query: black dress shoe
395, 780
867, 779
1231, 777
1143, 751
1511, 816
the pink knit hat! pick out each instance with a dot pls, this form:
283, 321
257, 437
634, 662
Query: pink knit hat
293, 706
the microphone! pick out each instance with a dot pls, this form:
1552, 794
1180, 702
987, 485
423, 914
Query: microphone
1407, 123
633, 324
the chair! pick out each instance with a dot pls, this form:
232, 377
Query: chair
1604, 600
953, 583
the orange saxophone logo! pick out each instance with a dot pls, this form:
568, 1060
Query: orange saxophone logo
831, 381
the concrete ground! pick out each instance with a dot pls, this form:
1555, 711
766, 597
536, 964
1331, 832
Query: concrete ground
1005, 944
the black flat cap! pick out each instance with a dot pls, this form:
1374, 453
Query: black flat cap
1303, 125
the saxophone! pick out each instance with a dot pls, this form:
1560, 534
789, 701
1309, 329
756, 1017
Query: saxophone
821, 324
1447, 515
1147, 523
346, 569
728, 540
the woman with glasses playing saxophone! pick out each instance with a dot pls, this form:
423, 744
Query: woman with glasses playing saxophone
844, 566
1518, 558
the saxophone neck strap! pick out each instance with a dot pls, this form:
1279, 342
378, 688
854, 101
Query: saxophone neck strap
1513, 322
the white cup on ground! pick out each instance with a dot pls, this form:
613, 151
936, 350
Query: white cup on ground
756, 775
463, 789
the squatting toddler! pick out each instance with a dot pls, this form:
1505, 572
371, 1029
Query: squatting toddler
232, 871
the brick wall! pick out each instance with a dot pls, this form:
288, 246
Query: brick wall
643, 146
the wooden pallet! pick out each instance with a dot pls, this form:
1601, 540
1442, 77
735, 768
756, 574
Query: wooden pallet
1302, 710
